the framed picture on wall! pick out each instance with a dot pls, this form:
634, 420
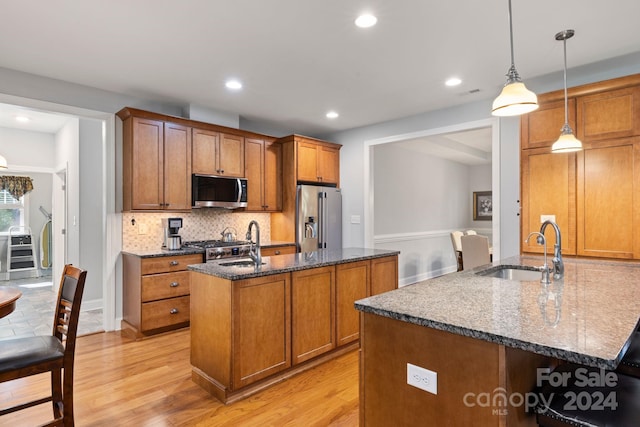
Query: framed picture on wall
482, 206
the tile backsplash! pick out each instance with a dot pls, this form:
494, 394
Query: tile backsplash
200, 224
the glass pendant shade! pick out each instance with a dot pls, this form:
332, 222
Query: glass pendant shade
3, 163
567, 141
514, 100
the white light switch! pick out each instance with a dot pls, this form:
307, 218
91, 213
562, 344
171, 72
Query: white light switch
422, 378
355, 219
544, 218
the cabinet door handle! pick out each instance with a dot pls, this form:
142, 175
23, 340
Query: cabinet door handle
174, 311
173, 263
174, 284
222, 171
277, 252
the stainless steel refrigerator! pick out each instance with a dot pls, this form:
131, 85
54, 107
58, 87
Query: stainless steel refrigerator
318, 218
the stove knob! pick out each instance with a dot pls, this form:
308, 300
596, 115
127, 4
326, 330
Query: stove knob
219, 253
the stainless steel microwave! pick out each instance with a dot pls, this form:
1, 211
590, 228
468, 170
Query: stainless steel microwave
209, 191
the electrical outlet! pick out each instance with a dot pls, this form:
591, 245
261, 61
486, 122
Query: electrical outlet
422, 378
142, 228
544, 218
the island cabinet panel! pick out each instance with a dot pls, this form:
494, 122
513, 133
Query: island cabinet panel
352, 284
608, 207
313, 315
261, 328
384, 274
156, 293
549, 185
468, 371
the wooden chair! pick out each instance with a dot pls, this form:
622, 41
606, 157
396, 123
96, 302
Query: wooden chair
23, 357
475, 251
457, 247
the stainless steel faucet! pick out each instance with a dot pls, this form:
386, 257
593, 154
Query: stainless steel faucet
541, 240
254, 250
558, 265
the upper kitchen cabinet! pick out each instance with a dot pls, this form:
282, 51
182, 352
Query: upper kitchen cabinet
156, 165
317, 161
592, 194
608, 115
263, 166
541, 127
216, 153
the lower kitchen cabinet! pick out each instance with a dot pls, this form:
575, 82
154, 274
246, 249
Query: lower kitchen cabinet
278, 250
261, 328
352, 284
156, 293
384, 274
313, 316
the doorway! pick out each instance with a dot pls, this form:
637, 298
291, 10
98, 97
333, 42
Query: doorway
59, 224
417, 212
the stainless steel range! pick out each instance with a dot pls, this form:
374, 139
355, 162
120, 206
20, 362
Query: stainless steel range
217, 249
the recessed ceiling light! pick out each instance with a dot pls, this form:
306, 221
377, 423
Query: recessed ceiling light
22, 119
366, 20
332, 115
453, 81
233, 84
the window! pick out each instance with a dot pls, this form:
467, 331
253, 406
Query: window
12, 211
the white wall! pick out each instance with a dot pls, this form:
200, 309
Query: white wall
91, 218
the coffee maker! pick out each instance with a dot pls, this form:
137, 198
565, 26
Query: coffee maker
170, 229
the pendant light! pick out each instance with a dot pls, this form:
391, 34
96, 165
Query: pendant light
3, 162
515, 99
567, 141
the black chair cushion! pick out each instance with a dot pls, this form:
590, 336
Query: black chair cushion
630, 363
577, 404
19, 353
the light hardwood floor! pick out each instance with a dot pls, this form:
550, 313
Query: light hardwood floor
120, 382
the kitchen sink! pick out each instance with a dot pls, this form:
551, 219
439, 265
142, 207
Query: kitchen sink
522, 273
245, 263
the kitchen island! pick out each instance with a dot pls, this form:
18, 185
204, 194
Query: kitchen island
485, 339
254, 326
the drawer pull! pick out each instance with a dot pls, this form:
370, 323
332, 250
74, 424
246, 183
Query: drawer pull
174, 284
277, 252
174, 263
174, 311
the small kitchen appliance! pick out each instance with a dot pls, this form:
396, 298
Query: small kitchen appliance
170, 228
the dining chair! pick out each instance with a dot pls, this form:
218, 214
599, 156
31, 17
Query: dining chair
457, 247
23, 357
475, 251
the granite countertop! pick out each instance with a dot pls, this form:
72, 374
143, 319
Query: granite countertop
155, 253
588, 317
289, 262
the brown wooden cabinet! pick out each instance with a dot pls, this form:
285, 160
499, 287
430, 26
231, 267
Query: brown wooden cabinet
608, 206
352, 284
263, 166
384, 274
278, 250
156, 293
216, 153
261, 328
156, 165
318, 162
313, 313
592, 193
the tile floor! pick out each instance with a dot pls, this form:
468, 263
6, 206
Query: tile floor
34, 311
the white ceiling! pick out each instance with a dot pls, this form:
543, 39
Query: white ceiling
470, 147
300, 58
